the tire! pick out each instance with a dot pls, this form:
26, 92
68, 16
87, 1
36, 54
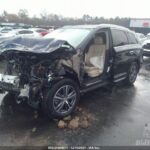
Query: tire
57, 102
132, 74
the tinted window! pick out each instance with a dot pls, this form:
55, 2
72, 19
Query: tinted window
132, 38
41, 30
119, 38
25, 32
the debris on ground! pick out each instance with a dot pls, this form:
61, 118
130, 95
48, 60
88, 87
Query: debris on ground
84, 124
81, 119
62, 124
74, 123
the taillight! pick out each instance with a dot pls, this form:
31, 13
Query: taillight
43, 33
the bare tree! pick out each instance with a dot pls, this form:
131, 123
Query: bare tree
23, 13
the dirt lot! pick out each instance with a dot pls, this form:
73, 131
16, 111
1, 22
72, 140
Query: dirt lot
119, 118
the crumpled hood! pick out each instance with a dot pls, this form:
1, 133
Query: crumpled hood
34, 45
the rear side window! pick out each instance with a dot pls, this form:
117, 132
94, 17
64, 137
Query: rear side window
132, 39
119, 37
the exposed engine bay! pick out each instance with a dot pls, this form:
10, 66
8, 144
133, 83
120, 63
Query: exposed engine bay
28, 75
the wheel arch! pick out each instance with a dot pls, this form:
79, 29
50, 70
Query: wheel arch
72, 75
67, 73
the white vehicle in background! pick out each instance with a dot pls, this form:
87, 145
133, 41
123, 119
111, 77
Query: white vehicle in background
27, 33
146, 46
22, 33
4, 32
141, 37
148, 36
5, 29
40, 31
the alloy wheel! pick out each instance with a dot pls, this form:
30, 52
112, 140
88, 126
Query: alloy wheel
133, 73
64, 99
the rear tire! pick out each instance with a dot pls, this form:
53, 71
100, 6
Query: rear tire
61, 99
132, 74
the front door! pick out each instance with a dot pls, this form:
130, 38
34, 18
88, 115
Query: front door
96, 56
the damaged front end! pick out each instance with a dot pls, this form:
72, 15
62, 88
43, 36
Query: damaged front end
29, 74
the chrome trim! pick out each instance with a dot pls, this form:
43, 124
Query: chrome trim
89, 84
120, 74
120, 79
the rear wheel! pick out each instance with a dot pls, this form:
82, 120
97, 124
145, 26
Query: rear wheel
132, 74
61, 99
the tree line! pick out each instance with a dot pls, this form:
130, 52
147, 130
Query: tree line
47, 19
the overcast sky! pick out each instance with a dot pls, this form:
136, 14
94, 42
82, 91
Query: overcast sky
76, 8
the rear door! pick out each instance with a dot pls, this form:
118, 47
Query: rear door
124, 54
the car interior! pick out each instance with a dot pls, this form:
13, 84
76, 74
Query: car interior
95, 56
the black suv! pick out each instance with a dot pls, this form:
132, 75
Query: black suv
51, 73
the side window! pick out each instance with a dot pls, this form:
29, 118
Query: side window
132, 39
119, 37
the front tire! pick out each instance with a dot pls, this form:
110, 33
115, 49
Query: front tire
61, 99
132, 74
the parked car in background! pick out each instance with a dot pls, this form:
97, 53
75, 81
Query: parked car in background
141, 37
29, 33
6, 29
32, 32
146, 46
4, 32
51, 72
40, 31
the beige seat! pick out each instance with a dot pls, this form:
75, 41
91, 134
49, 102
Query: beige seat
95, 58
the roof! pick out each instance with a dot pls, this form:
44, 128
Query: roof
98, 26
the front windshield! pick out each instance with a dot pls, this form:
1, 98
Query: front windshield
73, 36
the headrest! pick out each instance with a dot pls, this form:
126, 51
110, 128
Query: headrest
98, 40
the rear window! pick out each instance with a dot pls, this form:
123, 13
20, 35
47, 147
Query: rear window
25, 32
41, 30
119, 37
132, 39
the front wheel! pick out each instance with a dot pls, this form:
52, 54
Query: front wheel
61, 99
132, 74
